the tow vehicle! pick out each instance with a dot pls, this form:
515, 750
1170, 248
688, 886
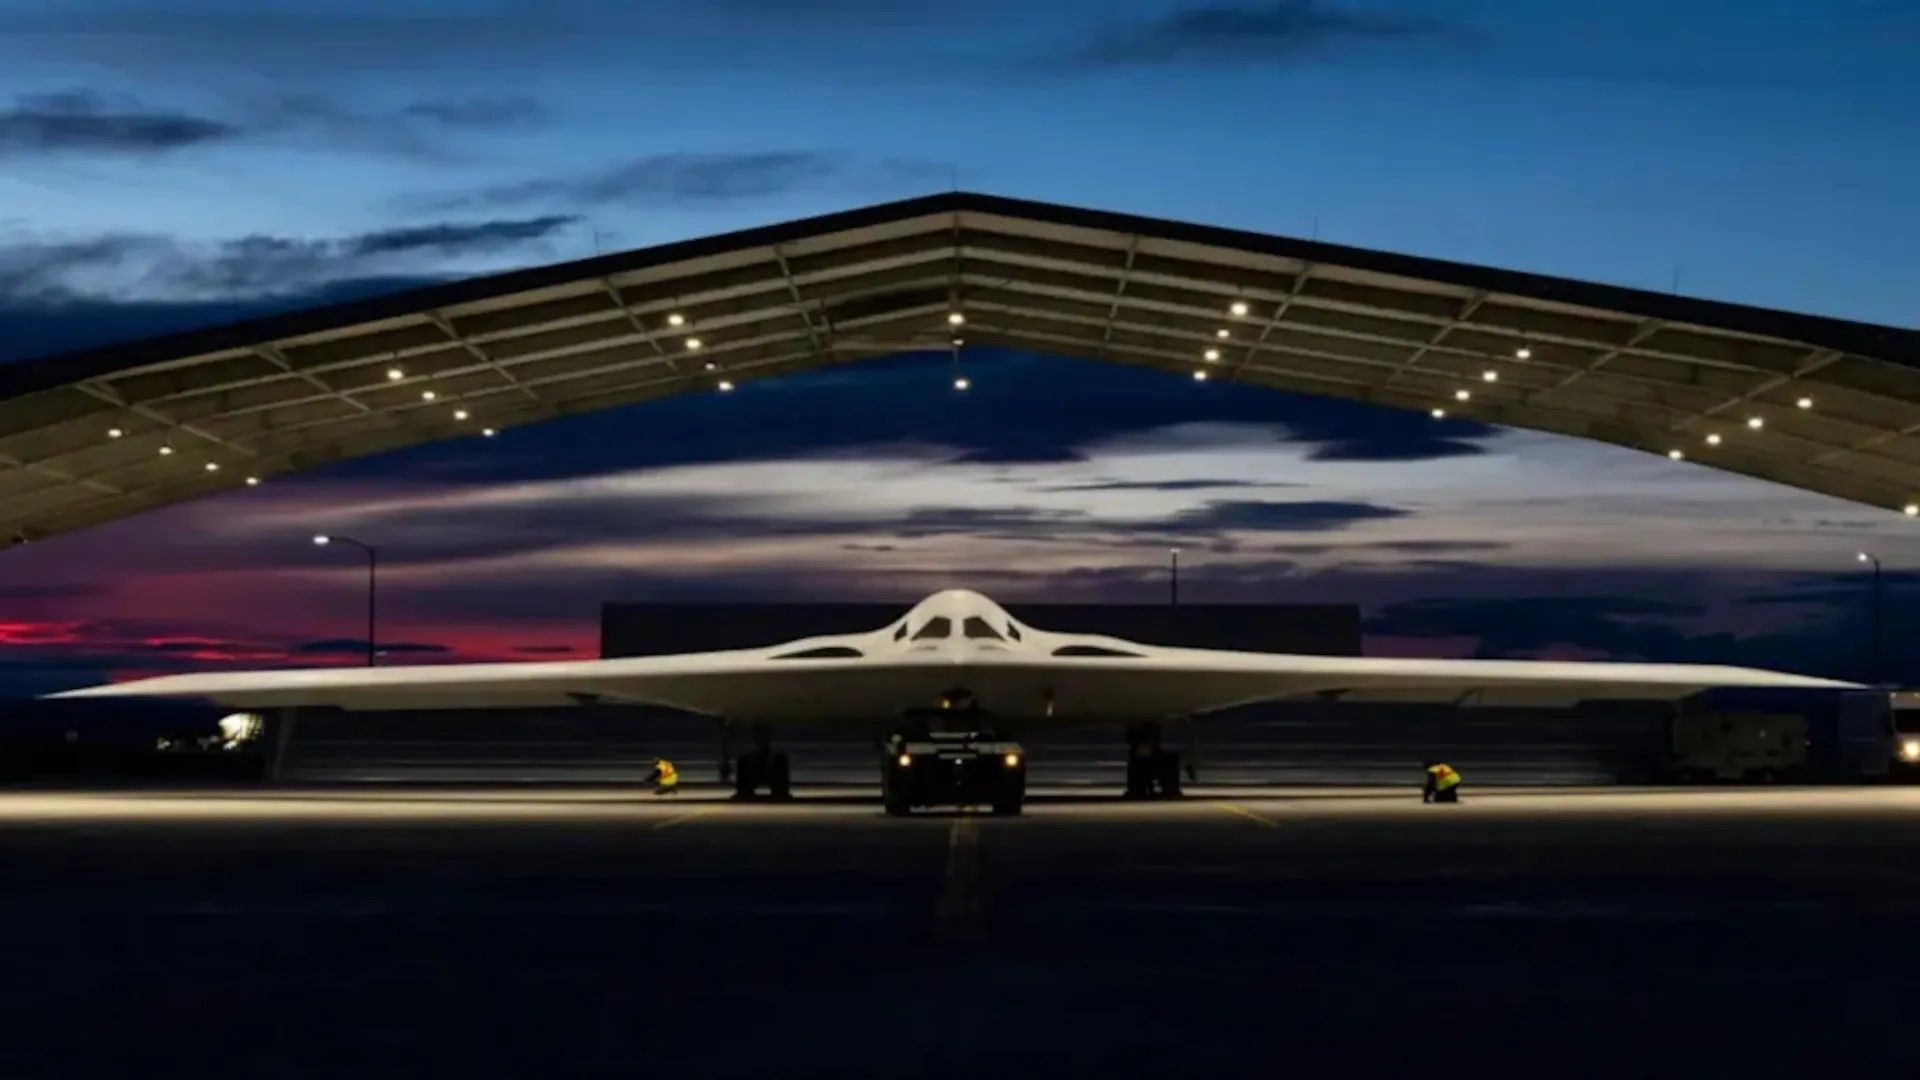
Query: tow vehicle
953, 769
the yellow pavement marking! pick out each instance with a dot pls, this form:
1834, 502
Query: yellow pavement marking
1236, 808
678, 818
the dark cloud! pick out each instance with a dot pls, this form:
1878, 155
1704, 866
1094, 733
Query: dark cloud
685, 177
1011, 522
455, 239
1281, 30
49, 272
1159, 485
1409, 547
430, 536
44, 317
83, 122
418, 130
1246, 515
358, 647
1407, 446
1046, 452
479, 112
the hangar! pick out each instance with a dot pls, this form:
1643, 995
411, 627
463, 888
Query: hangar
1821, 404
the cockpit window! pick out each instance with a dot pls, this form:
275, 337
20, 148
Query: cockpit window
935, 628
900, 631
1013, 631
977, 627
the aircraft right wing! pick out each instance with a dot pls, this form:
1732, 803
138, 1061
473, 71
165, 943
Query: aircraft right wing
1194, 681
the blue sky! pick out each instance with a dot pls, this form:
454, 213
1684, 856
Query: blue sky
177, 162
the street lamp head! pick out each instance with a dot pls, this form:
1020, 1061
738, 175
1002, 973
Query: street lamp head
323, 540
1864, 557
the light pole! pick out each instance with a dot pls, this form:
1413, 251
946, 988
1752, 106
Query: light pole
1873, 650
1173, 580
373, 560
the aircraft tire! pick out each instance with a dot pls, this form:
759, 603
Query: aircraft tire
1167, 764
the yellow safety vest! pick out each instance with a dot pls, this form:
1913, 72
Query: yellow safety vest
1444, 777
669, 775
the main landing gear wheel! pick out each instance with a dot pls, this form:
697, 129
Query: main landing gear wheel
1151, 771
751, 772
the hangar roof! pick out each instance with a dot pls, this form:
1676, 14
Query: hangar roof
1821, 404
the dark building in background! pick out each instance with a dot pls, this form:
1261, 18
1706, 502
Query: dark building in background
647, 629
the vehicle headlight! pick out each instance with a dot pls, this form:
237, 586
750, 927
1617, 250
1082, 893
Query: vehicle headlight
1910, 749
1012, 760
906, 759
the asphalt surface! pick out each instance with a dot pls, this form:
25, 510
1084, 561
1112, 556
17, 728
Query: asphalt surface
312, 931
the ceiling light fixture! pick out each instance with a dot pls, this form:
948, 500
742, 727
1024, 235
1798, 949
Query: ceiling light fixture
1199, 376
459, 414
253, 481
725, 386
711, 366
962, 383
428, 395
1463, 395
1677, 455
166, 451
676, 319
489, 432
1490, 375
1439, 414
1755, 423
114, 433
1523, 353
1212, 355
394, 374
1713, 439
1805, 403
213, 466
1223, 333
1911, 509
1239, 309
694, 343
955, 318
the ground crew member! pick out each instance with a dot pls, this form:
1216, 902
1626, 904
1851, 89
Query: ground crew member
664, 777
1443, 783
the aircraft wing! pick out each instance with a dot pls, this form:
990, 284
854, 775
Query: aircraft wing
1195, 681
733, 683
956, 642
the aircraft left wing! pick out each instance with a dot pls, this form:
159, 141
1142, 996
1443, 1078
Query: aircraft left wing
718, 683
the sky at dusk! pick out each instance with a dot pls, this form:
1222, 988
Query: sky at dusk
172, 163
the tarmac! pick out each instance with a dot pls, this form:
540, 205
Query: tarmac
596, 930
